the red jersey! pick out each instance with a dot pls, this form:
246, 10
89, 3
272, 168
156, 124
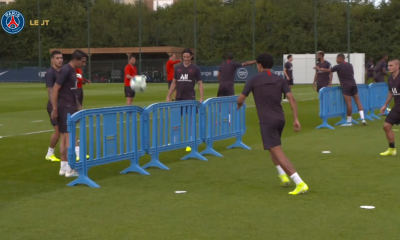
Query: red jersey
170, 69
131, 70
80, 79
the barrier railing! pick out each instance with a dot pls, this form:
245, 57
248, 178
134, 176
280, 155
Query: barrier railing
171, 126
332, 103
378, 93
222, 120
107, 135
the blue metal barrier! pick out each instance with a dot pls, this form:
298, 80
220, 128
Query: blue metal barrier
112, 134
378, 93
170, 126
331, 104
222, 120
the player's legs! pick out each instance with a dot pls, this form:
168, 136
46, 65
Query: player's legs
392, 118
53, 143
360, 107
285, 181
129, 94
290, 84
347, 99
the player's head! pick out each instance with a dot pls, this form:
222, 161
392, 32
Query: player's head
290, 58
79, 58
187, 55
229, 56
132, 59
172, 56
264, 61
56, 58
340, 58
394, 65
385, 57
320, 55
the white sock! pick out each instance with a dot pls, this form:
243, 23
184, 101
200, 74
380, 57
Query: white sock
349, 119
50, 152
280, 170
296, 178
64, 163
77, 151
361, 114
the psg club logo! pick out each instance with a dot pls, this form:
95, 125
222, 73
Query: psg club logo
12, 22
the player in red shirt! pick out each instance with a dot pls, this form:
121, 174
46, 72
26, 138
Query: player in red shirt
79, 90
130, 72
169, 66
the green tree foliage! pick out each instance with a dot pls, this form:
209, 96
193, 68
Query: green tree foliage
282, 26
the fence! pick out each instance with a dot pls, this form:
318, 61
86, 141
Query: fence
114, 134
332, 103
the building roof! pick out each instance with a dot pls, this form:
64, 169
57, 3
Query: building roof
127, 50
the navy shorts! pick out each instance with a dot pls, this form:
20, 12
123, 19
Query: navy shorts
379, 78
393, 117
370, 75
224, 92
63, 117
290, 82
271, 133
350, 91
129, 93
187, 109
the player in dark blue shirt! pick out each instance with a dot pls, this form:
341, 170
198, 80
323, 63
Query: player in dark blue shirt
267, 89
64, 101
394, 115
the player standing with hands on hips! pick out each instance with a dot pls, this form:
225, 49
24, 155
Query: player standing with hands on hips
267, 89
394, 115
345, 73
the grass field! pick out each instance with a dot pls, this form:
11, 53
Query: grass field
234, 197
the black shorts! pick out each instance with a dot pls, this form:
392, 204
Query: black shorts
62, 118
226, 91
169, 84
79, 93
370, 75
129, 93
290, 82
319, 88
393, 117
271, 133
379, 78
350, 91
180, 99
53, 122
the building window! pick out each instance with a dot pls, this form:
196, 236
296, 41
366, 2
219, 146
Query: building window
3, 3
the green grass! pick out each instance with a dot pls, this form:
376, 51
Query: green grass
237, 196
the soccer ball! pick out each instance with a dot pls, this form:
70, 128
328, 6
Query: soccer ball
78, 75
388, 109
138, 83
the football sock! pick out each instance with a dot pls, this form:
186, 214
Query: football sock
296, 178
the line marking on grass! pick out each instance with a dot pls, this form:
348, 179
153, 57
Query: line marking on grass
37, 121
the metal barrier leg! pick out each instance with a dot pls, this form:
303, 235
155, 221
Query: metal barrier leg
83, 179
194, 154
372, 115
239, 143
134, 167
344, 120
155, 162
324, 124
210, 150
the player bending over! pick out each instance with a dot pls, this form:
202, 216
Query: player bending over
394, 115
267, 89
345, 73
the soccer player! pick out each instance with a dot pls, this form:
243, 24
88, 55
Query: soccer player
130, 72
267, 89
394, 115
79, 90
345, 73
288, 71
185, 78
169, 66
65, 101
322, 79
380, 70
226, 75
51, 77
369, 70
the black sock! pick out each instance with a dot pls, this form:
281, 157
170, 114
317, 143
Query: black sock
391, 145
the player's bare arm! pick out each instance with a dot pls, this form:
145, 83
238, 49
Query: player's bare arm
240, 100
330, 79
54, 98
248, 63
293, 105
315, 81
285, 72
171, 89
219, 76
323, 69
201, 90
49, 90
388, 100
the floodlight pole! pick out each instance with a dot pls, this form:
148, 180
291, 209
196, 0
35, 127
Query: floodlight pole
39, 42
88, 37
140, 36
348, 30
315, 28
195, 30
254, 28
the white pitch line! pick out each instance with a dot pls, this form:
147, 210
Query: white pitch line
37, 121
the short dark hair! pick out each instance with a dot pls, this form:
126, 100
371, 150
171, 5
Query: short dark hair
341, 55
266, 60
55, 52
393, 59
229, 56
187, 50
289, 56
321, 52
131, 56
78, 55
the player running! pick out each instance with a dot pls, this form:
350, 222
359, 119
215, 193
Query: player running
64, 101
288, 72
169, 66
394, 115
345, 73
267, 89
322, 79
226, 75
51, 77
380, 70
129, 73
185, 78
